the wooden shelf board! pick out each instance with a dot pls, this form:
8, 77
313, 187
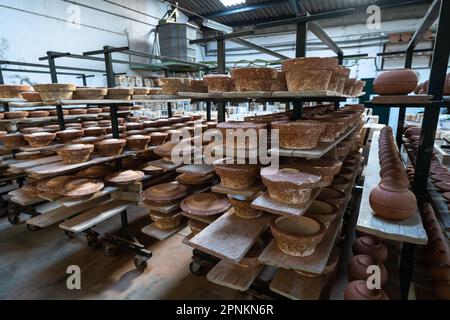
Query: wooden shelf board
163, 208
23, 165
21, 198
234, 276
413, 99
318, 152
247, 192
68, 202
187, 239
166, 165
46, 148
230, 237
153, 231
204, 219
410, 230
198, 169
265, 203
291, 285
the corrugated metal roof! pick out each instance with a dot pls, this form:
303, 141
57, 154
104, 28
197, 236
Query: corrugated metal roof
282, 10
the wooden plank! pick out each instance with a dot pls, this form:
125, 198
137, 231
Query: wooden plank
204, 219
187, 239
200, 95
126, 196
154, 99
248, 192
49, 196
234, 276
290, 284
166, 165
247, 95
410, 230
318, 152
153, 231
230, 237
35, 163
265, 203
413, 99
20, 197
72, 202
307, 94
94, 216
198, 169
58, 214
46, 148
169, 208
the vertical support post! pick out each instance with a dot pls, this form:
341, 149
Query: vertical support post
340, 62
402, 110
52, 68
221, 112
169, 109
298, 110
114, 121
84, 80
1, 76
406, 268
208, 111
124, 219
110, 77
301, 38
221, 67
60, 113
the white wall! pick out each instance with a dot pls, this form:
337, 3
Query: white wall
28, 29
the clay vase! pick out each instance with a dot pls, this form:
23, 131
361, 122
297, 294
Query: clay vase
357, 290
396, 82
357, 268
371, 246
392, 200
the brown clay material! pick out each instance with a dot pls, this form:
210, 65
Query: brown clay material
396, 82
166, 192
325, 168
125, 177
332, 196
66, 136
94, 131
40, 139
358, 290
243, 208
13, 140
238, 134
253, 79
96, 172
81, 187
137, 142
236, 176
166, 221
110, 147
299, 135
196, 226
205, 204
322, 211
357, 268
219, 83
75, 153
52, 184
90, 93
308, 74
371, 246
15, 114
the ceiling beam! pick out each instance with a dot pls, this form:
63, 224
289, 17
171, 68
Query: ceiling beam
259, 48
426, 23
317, 30
295, 6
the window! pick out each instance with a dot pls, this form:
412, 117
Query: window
230, 3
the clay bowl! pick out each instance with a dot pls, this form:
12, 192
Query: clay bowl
31, 130
87, 140
193, 179
151, 170
125, 177
40, 139
166, 192
250, 260
440, 270
357, 268
31, 96
110, 147
358, 290
443, 186
94, 110
371, 246
340, 184
196, 226
15, 114
77, 111
73, 126
300, 135
150, 124
75, 153
166, 221
51, 185
96, 172
66, 136
297, 236
38, 114
236, 176
243, 209
332, 196
89, 124
54, 113
81, 187
32, 155
137, 142
205, 204
324, 168
157, 138
441, 290
13, 140
133, 126
122, 129
94, 131
322, 211
51, 128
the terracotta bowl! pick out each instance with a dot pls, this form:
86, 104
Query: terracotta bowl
236, 141
289, 185
79, 187
96, 172
133, 126
68, 135
166, 221
332, 196
54, 113
13, 140
75, 153
90, 93
94, 110
371, 246
205, 204
300, 135
31, 130
166, 192
15, 114
196, 226
396, 82
325, 168
40, 139
52, 184
31, 96
110, 147
193, 179
357, 268
236, 176
297, 236
94, 131
125, 177
358, 290
137, 142
77, 111
322, 211
242, 208
340, 184
73, 126
38, 114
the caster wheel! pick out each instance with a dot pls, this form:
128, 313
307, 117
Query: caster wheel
32, 228
69, 234
197, 268
140, 262
110, 250
13, 219
92, 240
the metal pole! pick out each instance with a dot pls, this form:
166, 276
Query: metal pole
301, 38
221, 66
52, 67
84, 80
1, 76
169, 109
402, 110
110, 77
60, 113
208, 111
114, 121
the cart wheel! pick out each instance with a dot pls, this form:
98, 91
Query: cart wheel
69, 234
110, 250
33, 228
92, 240
197, 268
13, 219
140, 262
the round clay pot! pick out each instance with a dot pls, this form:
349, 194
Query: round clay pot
75, 153
157, 138
299, 135
327, 169
332, 196
219, 82
166, 221
15, 114
205, 204
243, 208
297, 236
236, 176
440, 270
125, 177
13, 140
193, 179
289, 185
241, 134
371, 246
357, 290
38, 114
66, 136
357, 268
110, 147
396, 82
96, 172
94, 131
40, 139
340, 184
322, 211
166, 192
79, 187
137, 142
196, 226
254, 79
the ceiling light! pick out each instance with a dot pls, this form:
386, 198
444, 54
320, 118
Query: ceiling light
230, 3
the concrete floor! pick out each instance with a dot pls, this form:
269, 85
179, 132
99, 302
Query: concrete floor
33, 265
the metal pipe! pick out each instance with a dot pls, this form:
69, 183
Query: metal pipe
37, 65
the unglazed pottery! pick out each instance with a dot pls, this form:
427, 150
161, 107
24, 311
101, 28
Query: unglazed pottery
254, 79
66, 136
110, 147
13, 140
357, 268
243, 209
322, 211
125, 177
205, 204
371, 246
219, 83
300, 135
40, 139
396, 82
75, 153
236, 176
80, 187
166, 192
358, 290
137, 142
166, 221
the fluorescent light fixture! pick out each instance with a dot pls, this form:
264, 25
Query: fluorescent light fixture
230, 3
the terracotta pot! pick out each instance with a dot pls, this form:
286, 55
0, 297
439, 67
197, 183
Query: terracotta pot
289, 185
94, 110
219, 83
441, 290
79, 187
322, 211
250, 260
243, 208
13, 140
94, 131
15, 114
196, 226
279, 84
236, 176
334, 197
440, 270
334, 127
133, 126
327, 169
52, 184
357, 268
166, 221
137, 142
166, 192
241, 134
300, 135
396, 82
110, 147
75, 153
67, 136
96, 172
38, 114
40, 139
205, 204
56, 91
119, 94
157, 138
297, 236
357, 290
371, 246
90, 93
254, 79
340, 184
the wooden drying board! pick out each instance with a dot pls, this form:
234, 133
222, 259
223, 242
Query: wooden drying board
153, 231
410, 230
52, 147
316, 153
230, 237
166, 165
169, 208
309, 94
265, 203
290, 284
247, 192
59, 168
442, 154
21, 198
234, 276
204, 219
94, 216
198, 169
68, 202
21, 166
153, 99
395, 100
